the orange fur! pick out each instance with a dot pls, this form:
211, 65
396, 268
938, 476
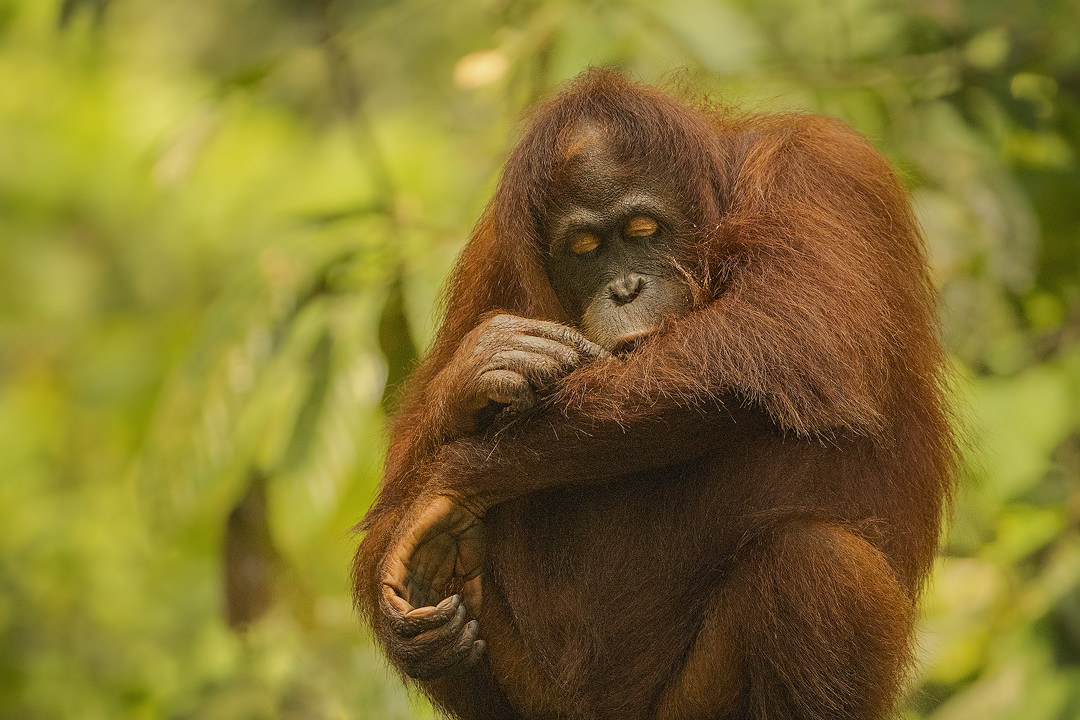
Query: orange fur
761, 485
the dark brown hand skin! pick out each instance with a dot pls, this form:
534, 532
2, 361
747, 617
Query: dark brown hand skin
505, 363
430, 635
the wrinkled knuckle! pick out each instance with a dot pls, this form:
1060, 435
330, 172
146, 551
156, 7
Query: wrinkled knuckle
490, 379
453, 625
405, 630
462, 652
502, 321
496, 378
416, 651
408, 655
545, 373
523, 361
552, 367
517, 384
569, 357
403, 655
566, 334
394, 619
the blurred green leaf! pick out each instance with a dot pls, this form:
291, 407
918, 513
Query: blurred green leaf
223, 230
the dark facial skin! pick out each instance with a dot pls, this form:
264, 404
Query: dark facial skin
611, 235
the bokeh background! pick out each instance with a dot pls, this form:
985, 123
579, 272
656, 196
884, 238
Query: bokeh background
223, 227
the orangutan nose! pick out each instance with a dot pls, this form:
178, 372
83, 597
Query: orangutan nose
625, 288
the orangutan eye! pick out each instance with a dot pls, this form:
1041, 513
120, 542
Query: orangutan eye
640, 226
584, 242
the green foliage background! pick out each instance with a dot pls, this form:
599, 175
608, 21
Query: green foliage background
223, 226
